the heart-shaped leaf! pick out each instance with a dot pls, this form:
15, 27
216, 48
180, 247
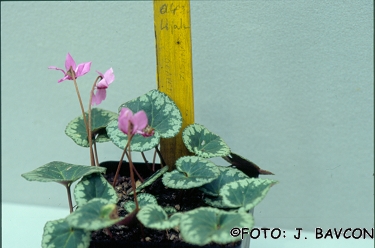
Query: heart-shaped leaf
59, 233
227, 175
154, 216
203, 143
216, 202
162, 113
245, 193
76, 129
205, 225
61, 172
144, 199
138, 143
94, 186
170, 210
191, 172
94, 215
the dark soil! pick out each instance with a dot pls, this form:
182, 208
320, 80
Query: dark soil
137, 235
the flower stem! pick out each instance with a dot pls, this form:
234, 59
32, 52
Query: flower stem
131, 166
89, 127
153, 161
144, 158
160, 156
72, 73
119, 167
135, 170
67, 186
96, 153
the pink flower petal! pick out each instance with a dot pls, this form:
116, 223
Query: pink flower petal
124, 119
64, 78
102, 84
139, 121
107, 79
82, 69
109, 76
136, 122
55, 68
99, 96
101, 74
69, 62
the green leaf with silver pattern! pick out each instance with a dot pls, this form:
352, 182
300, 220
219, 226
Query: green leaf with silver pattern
245, 193
144, 199
170, 210
162, 113
227, 175
216, 202
59, 233
191, 172
94, 186
76, 129
138, 143
203, 143
154, 216
97, 214
61, 172
204, 225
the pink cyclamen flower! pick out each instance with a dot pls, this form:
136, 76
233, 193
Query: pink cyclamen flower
101, 87
131, 124
79, 70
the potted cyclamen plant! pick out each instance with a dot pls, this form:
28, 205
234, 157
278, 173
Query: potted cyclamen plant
194, 201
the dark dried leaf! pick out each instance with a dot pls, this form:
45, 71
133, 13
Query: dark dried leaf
246, 166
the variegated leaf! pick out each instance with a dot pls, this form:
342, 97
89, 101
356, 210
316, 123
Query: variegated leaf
94, 186
144, 199
138, 143
245, 193
205, 225
191, 172
59, 233
154, 216
227, 175
203, 143
61, 172
216, 202
96, 214
162, 113
76, 129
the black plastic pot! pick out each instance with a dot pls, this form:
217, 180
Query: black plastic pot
145, 171
122, 244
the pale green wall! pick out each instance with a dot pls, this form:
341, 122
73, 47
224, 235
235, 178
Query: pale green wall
288, 84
